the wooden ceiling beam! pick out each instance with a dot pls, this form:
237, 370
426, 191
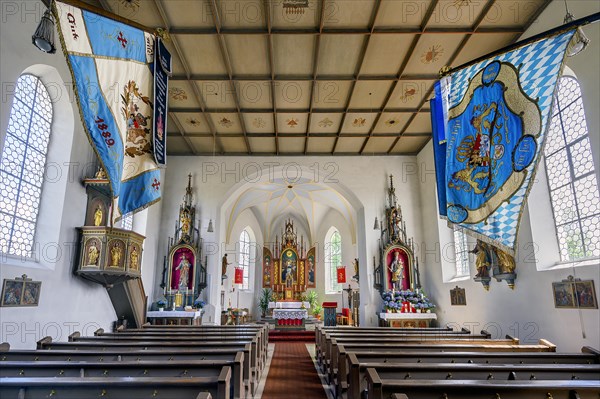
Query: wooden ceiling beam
270, 51
228, 66
361, 60
288, 78
315, 67
343, 31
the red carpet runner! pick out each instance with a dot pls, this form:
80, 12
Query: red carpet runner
292, 374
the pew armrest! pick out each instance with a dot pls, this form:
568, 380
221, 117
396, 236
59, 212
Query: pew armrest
4, 347
585, 349
204, 395
516, 341
44, 341
549, 344
99, 332
399, 396
73, 336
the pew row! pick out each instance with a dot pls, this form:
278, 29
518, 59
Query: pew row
466, 371
117, 387
154, 354
173, 369
381, 388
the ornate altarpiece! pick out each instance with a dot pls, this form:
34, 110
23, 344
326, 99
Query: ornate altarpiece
285, 266
184, 274
398, 267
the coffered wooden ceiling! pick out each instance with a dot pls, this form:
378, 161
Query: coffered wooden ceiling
343, 77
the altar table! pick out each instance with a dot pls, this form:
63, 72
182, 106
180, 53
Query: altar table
290, 317
178, 317
288, 305
406, 320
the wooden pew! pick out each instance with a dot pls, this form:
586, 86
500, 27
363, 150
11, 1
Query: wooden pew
338, 372
466, 371
465, 343
177, 368
262, 344
379, 388
261, 329
325, 346
322, 332
135, 351
116, 387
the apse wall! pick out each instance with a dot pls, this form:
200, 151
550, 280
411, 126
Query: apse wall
528, 312
363, 179
67, 303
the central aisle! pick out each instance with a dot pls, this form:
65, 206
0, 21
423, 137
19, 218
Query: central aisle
292, 374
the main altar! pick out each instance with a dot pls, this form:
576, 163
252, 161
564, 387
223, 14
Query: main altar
288, 269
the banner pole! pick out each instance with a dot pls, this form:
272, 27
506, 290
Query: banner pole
562, 28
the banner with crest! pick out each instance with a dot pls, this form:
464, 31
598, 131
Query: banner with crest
111, 64
489, 124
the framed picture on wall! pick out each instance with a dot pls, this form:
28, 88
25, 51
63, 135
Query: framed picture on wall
585, 294
574, 293
563, 295
458, 296
20, 291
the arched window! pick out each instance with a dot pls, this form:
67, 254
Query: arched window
572, 177
333, 259
22, 165
244, 258
461, 251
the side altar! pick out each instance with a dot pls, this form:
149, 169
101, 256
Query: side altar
287, 269
184, 273
397, 275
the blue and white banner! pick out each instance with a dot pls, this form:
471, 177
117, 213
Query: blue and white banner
111, 64
162, 71
488, 145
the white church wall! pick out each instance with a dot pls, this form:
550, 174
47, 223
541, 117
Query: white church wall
247, 298
528, 312
67, 303
363, 179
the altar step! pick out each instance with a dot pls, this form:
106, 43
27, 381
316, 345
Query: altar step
282, 336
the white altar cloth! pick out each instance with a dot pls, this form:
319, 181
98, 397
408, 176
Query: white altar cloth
294, 314
288, 305
174, 314
410, 316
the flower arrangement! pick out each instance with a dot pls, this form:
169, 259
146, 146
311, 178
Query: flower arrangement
397, 301
161, 303
199, 303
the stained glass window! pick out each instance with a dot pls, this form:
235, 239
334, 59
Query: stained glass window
333, 259
22, 165
572, 177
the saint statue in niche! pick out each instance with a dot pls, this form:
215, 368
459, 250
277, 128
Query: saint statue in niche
133, 258
184, 273
397, 270
115, 255
93, 254
98, 216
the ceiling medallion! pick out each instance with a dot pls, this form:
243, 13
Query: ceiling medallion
433, 54
133, 5
259, 123
225, 122
193, 121
462, 3
325, 122
408, 94
293, 122
295, 6
178, 94
359, 122
392, 122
